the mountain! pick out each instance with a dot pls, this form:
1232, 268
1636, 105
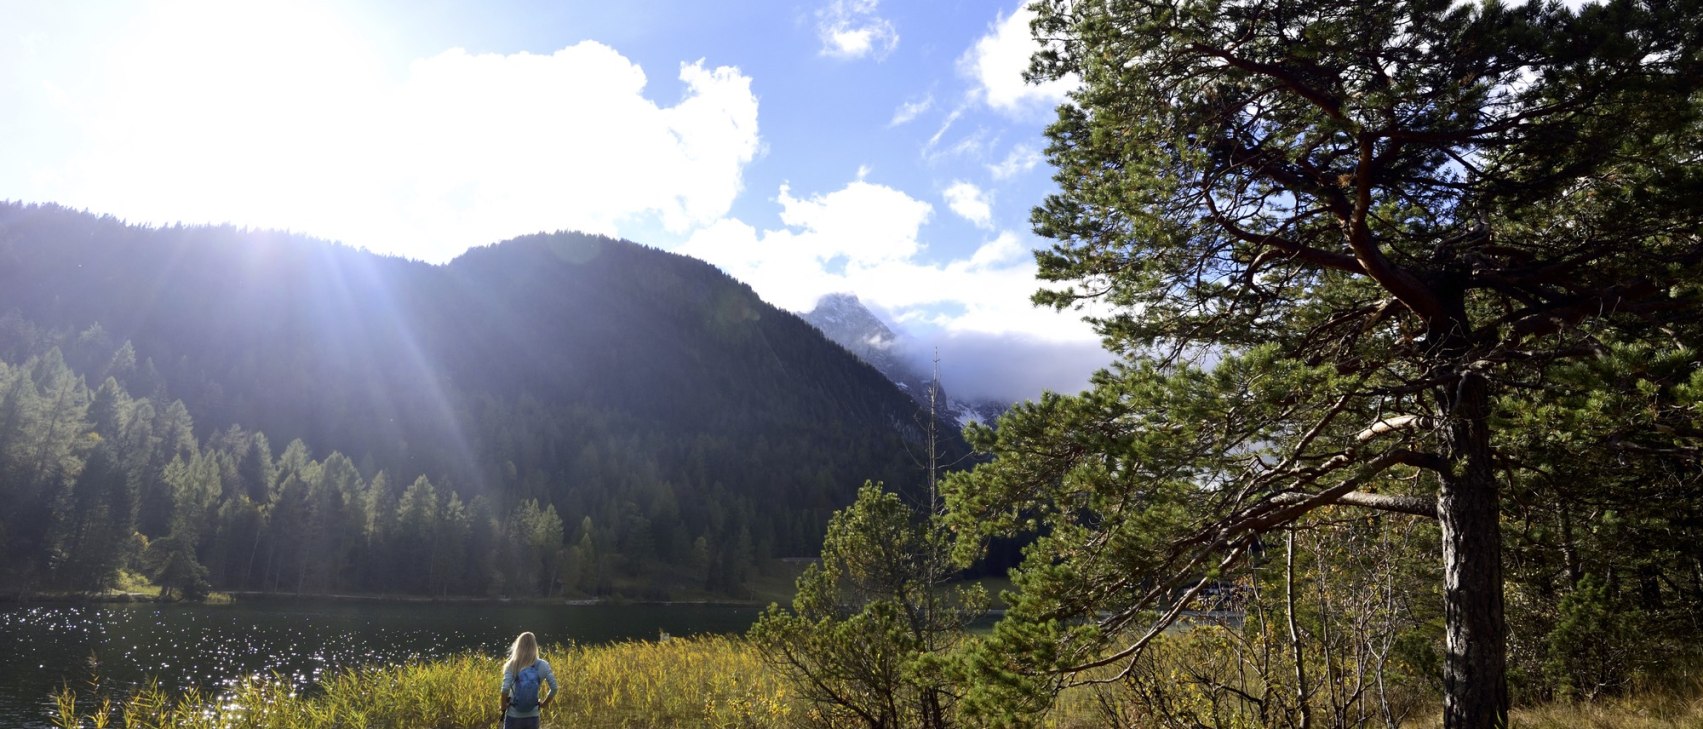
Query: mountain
843, 318
654, 406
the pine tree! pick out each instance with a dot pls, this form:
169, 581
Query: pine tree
871, 622
1333, 242
417, 515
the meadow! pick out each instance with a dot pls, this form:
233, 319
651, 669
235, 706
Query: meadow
686, 682
711, 681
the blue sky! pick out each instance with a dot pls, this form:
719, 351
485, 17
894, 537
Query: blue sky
890, 149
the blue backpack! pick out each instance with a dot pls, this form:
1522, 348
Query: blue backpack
524, 696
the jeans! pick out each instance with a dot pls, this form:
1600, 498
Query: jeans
510, 722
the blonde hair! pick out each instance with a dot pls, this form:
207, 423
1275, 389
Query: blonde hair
524, 653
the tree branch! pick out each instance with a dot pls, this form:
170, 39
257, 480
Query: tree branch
1401, 283
1322, 259
1330, 105
1391, 425
1414, 505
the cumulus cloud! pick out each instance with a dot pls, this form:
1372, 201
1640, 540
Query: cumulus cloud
969, 202
297, 126
865, 238
569, 140
852, 29
1001, 250
995, 65
827, 241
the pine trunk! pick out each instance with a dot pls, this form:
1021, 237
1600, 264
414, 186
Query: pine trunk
1475, 688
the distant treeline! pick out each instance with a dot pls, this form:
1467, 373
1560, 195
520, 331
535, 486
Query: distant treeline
95, 481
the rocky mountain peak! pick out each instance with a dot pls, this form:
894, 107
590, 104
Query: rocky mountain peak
843, 318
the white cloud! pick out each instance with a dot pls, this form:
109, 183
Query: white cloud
910, 110
862, 222
945, 126
972, 144
827, 240
975, 311
851, 29
970, 202
296, 125
1001, 250
865, 238
995, 64
1021, 159
1008, 367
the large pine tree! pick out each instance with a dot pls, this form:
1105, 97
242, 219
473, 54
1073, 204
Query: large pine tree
1341, 245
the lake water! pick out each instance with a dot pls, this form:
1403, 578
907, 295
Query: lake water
213, 646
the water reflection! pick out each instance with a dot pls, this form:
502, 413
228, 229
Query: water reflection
116, 648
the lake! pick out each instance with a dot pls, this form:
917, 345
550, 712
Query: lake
213, 646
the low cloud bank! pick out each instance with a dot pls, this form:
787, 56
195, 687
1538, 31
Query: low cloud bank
1006, 367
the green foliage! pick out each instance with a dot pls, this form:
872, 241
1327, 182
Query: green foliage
44, 439
1437, 259
536, 539
1605, 536
172, 565
119, 471
869, 624
1596, 644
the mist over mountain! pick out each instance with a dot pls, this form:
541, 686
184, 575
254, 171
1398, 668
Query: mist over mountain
981, 375
844, 319
660, 410
1006, 367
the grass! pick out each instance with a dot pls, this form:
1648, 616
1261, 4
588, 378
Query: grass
1660, 709
1670, 708
690, 682
716, 681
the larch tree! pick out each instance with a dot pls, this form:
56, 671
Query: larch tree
1336, 245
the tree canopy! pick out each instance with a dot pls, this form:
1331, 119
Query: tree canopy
1352, 255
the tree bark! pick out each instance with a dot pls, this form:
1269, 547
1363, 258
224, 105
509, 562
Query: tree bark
1475, 688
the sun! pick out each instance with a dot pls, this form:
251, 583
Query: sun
264, 96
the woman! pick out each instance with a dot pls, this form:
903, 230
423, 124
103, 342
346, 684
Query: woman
523, 678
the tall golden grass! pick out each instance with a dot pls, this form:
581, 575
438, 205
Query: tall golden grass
719, 682
1677, 707
685, 682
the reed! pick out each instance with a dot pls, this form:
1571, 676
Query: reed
720, 682
684, 682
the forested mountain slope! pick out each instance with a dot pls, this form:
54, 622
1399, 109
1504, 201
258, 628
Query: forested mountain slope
657, 407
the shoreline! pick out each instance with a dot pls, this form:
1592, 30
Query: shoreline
257, 596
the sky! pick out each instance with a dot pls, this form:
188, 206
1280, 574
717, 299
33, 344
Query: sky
887, 149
